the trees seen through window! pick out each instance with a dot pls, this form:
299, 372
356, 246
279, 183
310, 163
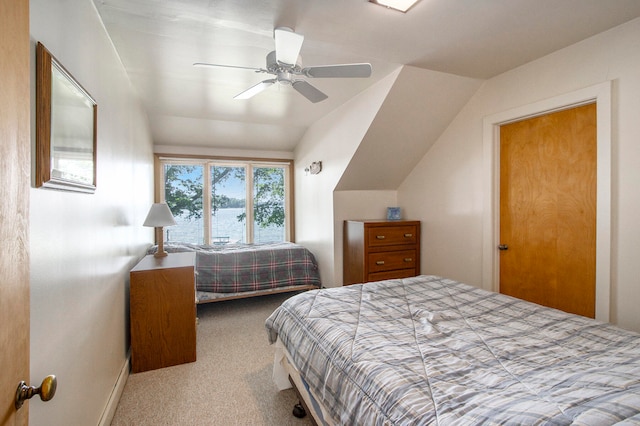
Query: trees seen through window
213, 204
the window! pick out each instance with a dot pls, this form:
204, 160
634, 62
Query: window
218, 201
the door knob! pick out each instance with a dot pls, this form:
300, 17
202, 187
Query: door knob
503, 247
47, 390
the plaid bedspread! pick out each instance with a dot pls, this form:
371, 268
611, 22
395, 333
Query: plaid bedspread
254, 267
428, 350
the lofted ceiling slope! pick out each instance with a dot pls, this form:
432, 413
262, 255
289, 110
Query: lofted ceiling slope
419, 106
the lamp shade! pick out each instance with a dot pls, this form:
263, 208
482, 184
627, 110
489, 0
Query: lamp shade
159, 215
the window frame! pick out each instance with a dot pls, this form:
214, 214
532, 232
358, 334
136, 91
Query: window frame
249, 163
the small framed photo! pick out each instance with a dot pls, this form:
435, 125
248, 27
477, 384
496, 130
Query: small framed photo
393, 213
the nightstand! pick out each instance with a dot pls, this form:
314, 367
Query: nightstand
162, 312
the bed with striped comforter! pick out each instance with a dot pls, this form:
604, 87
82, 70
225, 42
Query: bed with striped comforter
432, 351
241, 270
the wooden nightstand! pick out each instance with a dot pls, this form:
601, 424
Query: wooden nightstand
376, 250
163, 312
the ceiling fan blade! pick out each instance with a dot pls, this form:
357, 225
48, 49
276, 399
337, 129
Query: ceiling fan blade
288, 45
308, 91
339, 71
254, 90
204, 65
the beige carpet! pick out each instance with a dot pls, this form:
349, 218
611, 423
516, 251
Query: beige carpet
229, 384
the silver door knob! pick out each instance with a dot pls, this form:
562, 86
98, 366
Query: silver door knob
47, 390
503, 247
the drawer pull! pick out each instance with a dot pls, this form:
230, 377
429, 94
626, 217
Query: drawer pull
380, 237
408, 235
380, 262
408, 259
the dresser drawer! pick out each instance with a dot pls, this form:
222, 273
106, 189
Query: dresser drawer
392, 235
391, 275
391, 260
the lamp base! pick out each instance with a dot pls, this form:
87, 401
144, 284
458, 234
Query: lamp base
160, 254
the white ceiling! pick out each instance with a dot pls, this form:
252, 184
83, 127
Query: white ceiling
159, 40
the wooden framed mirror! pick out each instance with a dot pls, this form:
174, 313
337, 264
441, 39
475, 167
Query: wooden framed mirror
66, 117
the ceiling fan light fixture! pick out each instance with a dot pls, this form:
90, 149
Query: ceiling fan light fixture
285, 64
401, 5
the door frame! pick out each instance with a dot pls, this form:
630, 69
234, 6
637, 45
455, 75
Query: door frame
601, 95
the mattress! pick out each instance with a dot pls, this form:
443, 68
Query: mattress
429, 350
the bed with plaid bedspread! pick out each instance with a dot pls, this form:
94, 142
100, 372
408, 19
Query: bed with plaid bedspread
428, 350
230, 270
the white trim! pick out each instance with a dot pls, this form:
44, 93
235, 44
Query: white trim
601, 94
248, 165
116, 393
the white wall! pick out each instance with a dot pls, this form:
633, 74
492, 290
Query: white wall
368, 146
446, 190
332, 140
83, 245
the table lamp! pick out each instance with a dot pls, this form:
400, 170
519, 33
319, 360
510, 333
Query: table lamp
159, 216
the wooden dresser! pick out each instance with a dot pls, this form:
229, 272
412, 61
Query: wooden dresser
163, 312
376, 250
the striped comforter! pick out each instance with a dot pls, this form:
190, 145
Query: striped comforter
428, 350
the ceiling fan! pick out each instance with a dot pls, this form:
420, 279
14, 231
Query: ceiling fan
285, 64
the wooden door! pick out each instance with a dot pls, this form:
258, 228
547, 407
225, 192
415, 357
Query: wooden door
548, 209
14, 206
